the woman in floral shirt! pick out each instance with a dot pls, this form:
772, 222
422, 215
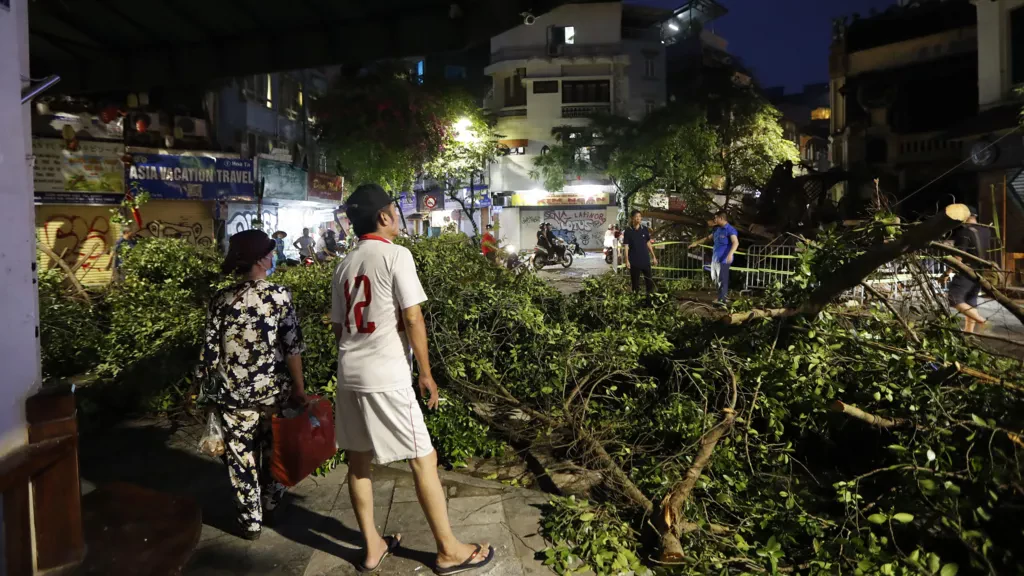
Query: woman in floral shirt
252, 360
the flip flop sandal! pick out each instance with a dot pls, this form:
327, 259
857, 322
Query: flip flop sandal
394, 542
467, 565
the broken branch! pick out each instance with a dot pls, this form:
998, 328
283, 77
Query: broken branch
987, 286
885, 301
857, 413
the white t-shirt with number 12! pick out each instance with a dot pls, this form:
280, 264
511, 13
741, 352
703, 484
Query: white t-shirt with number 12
370, 289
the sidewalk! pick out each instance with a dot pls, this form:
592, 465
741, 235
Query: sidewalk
316, 534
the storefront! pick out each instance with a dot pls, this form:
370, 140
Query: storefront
294, 200
580, 214
443, 213
74, 192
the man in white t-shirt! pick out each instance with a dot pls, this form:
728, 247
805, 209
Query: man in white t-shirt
375, 312
305, 244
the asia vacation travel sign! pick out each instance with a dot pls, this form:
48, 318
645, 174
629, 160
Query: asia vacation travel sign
282, 181
173, 177
93, 173
324, 186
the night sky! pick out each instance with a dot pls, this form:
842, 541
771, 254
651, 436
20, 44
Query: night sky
785, 42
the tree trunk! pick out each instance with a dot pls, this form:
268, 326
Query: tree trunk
854, 272
987, 286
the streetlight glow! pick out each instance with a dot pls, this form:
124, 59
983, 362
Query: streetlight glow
464, 132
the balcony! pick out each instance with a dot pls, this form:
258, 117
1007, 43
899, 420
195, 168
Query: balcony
586, 110
544, 52
516, 112
930, 147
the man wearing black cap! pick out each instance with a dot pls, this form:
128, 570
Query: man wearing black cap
963, 291
376, 315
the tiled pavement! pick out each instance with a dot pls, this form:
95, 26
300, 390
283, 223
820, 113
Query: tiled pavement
316, 533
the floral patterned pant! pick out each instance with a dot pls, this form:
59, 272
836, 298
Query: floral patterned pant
248, 448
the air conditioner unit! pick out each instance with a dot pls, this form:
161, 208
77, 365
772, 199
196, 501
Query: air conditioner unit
190, 127
154, 123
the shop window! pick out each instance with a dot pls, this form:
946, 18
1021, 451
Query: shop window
545, 87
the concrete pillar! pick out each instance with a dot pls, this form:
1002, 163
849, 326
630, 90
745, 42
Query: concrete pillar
19, 348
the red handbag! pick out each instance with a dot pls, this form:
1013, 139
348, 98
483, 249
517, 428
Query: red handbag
302, 443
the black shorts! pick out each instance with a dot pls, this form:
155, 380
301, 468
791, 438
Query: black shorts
963, 290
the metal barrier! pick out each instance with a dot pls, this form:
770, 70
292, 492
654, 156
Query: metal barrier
768, 264
677, 261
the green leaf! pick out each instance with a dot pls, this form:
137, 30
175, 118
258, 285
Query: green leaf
979, 421
949, 570
587, 517
877, 518
903, 518
547, 390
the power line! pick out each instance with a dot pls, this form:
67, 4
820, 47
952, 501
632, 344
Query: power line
948, 172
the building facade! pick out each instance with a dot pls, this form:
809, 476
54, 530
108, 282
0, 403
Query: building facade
559, 70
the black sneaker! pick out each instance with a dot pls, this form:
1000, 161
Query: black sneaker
250, 535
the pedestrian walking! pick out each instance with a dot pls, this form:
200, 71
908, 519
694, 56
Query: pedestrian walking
376, 316
726, 242
962, 291
252, 362
639, 254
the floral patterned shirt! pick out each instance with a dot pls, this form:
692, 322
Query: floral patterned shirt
250, 330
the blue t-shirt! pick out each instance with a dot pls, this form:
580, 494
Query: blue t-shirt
722, 242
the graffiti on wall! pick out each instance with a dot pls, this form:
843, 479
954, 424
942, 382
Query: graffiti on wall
585, 226
241, 216
193, 232
83, 241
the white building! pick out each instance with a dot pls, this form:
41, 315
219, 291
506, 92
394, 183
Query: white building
1000, 50
558, 70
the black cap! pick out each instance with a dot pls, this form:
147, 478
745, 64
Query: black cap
245, 249
364, 204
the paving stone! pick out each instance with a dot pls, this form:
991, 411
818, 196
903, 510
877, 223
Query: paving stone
382, 492
406, 517
475, 510
342, 544
404, 494
315, 493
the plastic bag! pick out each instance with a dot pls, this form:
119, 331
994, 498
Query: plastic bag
302, 442
212, 442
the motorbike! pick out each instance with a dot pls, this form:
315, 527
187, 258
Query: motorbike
516, 264
608, 254
574, 248
542, 258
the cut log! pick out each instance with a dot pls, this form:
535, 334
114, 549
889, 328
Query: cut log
701, 222
854, 272
742, 317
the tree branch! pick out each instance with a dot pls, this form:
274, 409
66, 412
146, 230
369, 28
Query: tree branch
987, 286
670, 520
885, 301
960, 253
854, 412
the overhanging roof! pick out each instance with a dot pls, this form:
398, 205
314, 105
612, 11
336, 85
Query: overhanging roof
97, 45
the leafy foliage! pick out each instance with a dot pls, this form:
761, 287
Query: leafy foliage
70, 330
594, 536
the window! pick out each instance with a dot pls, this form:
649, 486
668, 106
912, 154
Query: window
452, 72
821, 114
268, 84
559, 36
1017, 46
586, 91
650, 71
545, 87
515, 89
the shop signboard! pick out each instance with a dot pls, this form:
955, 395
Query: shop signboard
430, 201
566, 199
282, 180
93, 173
174, 177
324, 186
407, 203
676, 203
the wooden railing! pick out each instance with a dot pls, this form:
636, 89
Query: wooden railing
48, 466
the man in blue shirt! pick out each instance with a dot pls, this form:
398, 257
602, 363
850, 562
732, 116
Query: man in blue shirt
726, 242
639, 254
